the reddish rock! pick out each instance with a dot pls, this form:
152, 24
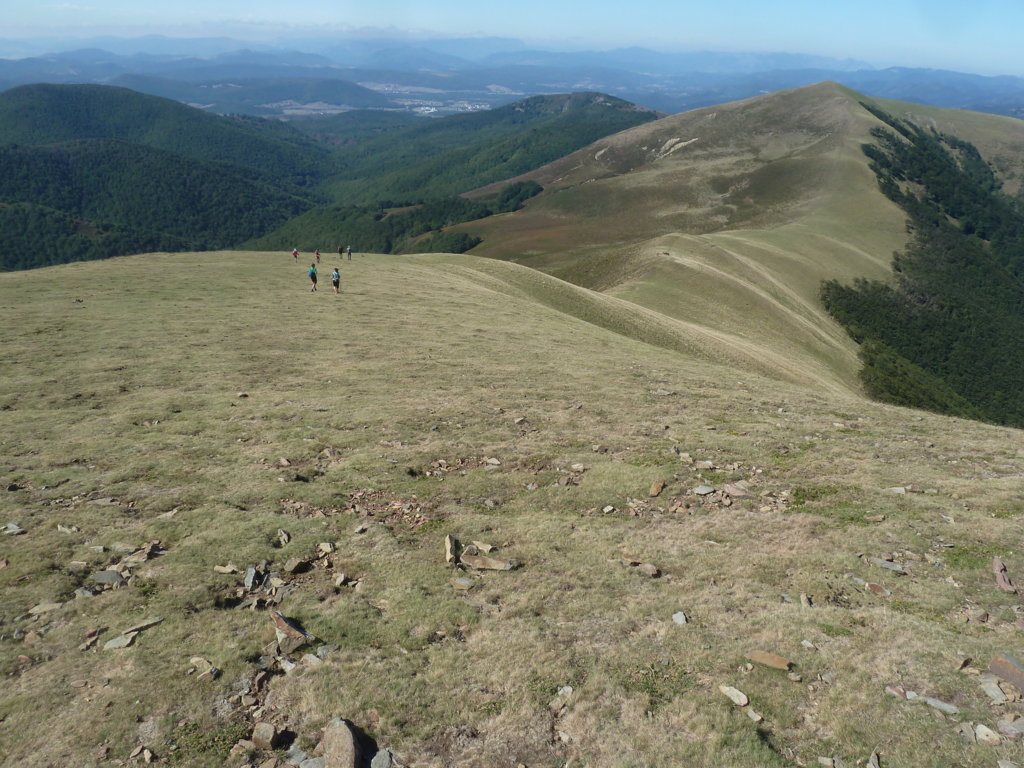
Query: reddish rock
768, 659
657, 487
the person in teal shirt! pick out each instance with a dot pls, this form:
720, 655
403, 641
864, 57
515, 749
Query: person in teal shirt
312, 276
336, 279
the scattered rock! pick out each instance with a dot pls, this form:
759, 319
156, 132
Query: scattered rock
754, 716
229, 568
888, 565
877, 589
738, 491
1002, 578
339, 745
382, 759
283, 537
680, 618
942, 706
1009, 669
991, 689
283, 462
986, 736
769, 660
204, 667
111, 579
289, 636
451, 550
481, 562
264, 736
12, 529
463, 583
121, 641
703, 490
649, 570
874, 518
36, 610
657, 487
738, 697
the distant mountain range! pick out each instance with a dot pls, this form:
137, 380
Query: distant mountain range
436, 77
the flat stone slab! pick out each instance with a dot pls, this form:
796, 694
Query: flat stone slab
487, 563
735, 695
766, 659
1009, 669
121, 641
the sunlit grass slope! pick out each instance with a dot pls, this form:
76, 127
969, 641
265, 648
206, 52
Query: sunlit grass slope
729, 218
478, 398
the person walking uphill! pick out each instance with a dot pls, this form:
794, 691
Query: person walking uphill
312, 276
335, 279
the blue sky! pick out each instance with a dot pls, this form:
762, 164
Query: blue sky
981, 36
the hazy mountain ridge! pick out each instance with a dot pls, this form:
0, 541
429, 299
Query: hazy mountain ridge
476, 74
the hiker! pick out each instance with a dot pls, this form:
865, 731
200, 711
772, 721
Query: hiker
341, 250
295, 253
312, 276
348, 250
317, 254
336, 279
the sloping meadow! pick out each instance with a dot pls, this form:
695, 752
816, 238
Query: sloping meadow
483, 528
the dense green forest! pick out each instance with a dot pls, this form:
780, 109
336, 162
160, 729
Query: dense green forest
379, 230
947, 334
90, 171
452, 155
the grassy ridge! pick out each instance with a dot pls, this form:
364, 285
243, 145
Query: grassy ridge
122, 419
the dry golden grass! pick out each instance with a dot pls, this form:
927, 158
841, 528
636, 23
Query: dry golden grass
132, 394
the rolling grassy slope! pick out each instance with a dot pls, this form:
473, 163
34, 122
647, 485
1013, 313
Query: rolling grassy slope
478, 398
729, 218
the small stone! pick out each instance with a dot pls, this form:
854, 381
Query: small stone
608, 509
463, 583
325, 548
942, 706
874, 518
296, 565
680, 618
894, 567
877, 589
225, 569
994, 692
898, 490
382, 759
769, 660
754, 716
657, 487
487, 563
283, 537
795, 677
44, 608
703, 490
361, 528
805, 600
283, 462
649, 570
737, 491
121, 641
142, 625
12, 529
986, 736
326, 650
108, 579
1009, 669
738, 697
264, 736
704, 465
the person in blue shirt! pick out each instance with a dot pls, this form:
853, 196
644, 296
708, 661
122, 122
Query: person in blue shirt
336, 279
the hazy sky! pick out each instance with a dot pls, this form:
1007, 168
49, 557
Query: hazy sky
979, 36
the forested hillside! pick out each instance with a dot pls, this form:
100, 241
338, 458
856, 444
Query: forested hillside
948, 333
93, 171
444, 157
